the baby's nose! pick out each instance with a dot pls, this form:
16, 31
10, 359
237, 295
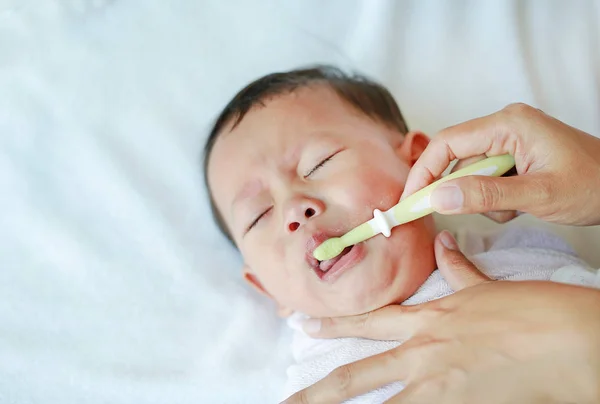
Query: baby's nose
301, 212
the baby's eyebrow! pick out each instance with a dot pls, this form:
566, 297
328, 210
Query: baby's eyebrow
248, 190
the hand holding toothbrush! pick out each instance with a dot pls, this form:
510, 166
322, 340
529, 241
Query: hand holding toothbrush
558, 167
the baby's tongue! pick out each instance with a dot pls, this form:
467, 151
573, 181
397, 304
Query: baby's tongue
327, 264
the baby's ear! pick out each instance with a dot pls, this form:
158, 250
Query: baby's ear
252, 279
413, 146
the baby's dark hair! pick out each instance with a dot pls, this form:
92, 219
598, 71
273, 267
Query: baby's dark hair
365, 95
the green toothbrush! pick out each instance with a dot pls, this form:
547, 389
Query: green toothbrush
414, 207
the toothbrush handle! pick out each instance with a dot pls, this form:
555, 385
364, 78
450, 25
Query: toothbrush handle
418, 204
358, 234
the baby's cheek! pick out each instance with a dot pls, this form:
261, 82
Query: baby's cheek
380, 191
262, 258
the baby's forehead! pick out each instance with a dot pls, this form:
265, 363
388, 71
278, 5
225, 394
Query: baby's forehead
283, 120
305, 106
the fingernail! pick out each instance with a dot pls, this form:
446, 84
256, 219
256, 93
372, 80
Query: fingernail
311, 326
447, 198
448, 240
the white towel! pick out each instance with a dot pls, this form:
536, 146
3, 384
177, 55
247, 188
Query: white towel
515, 254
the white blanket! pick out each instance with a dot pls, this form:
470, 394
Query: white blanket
114, 283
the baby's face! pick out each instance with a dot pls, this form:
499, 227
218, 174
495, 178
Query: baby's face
307, 167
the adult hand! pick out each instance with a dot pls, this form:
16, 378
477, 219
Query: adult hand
558, 167
522, 342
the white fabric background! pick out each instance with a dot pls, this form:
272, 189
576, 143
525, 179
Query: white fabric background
115, 286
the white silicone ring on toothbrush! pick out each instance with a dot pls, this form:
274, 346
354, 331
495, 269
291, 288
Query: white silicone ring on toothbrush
381, 222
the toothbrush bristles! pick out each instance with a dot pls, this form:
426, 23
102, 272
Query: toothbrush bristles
329, 249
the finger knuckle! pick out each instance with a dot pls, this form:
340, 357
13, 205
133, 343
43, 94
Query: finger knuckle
440, 143
436, 310
544, 190
420, 347
342, 377
454, 375
301, 398
363, 321
489, 195
455, 260
518, 108
426, 389
412, 355
502, 216
425, 386
440, 139
394, 355
436, 385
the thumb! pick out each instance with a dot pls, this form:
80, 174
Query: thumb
458, 271
481, 194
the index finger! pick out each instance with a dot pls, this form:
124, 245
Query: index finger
393, 322
354, 379
487, 135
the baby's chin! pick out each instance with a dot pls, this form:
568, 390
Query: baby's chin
375, 295
368, 290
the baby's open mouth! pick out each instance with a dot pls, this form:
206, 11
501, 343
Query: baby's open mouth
330, 270
328, 264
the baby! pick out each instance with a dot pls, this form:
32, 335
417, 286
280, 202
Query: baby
298, 157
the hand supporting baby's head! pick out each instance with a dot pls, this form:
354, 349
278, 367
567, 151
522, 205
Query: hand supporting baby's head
298, 157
